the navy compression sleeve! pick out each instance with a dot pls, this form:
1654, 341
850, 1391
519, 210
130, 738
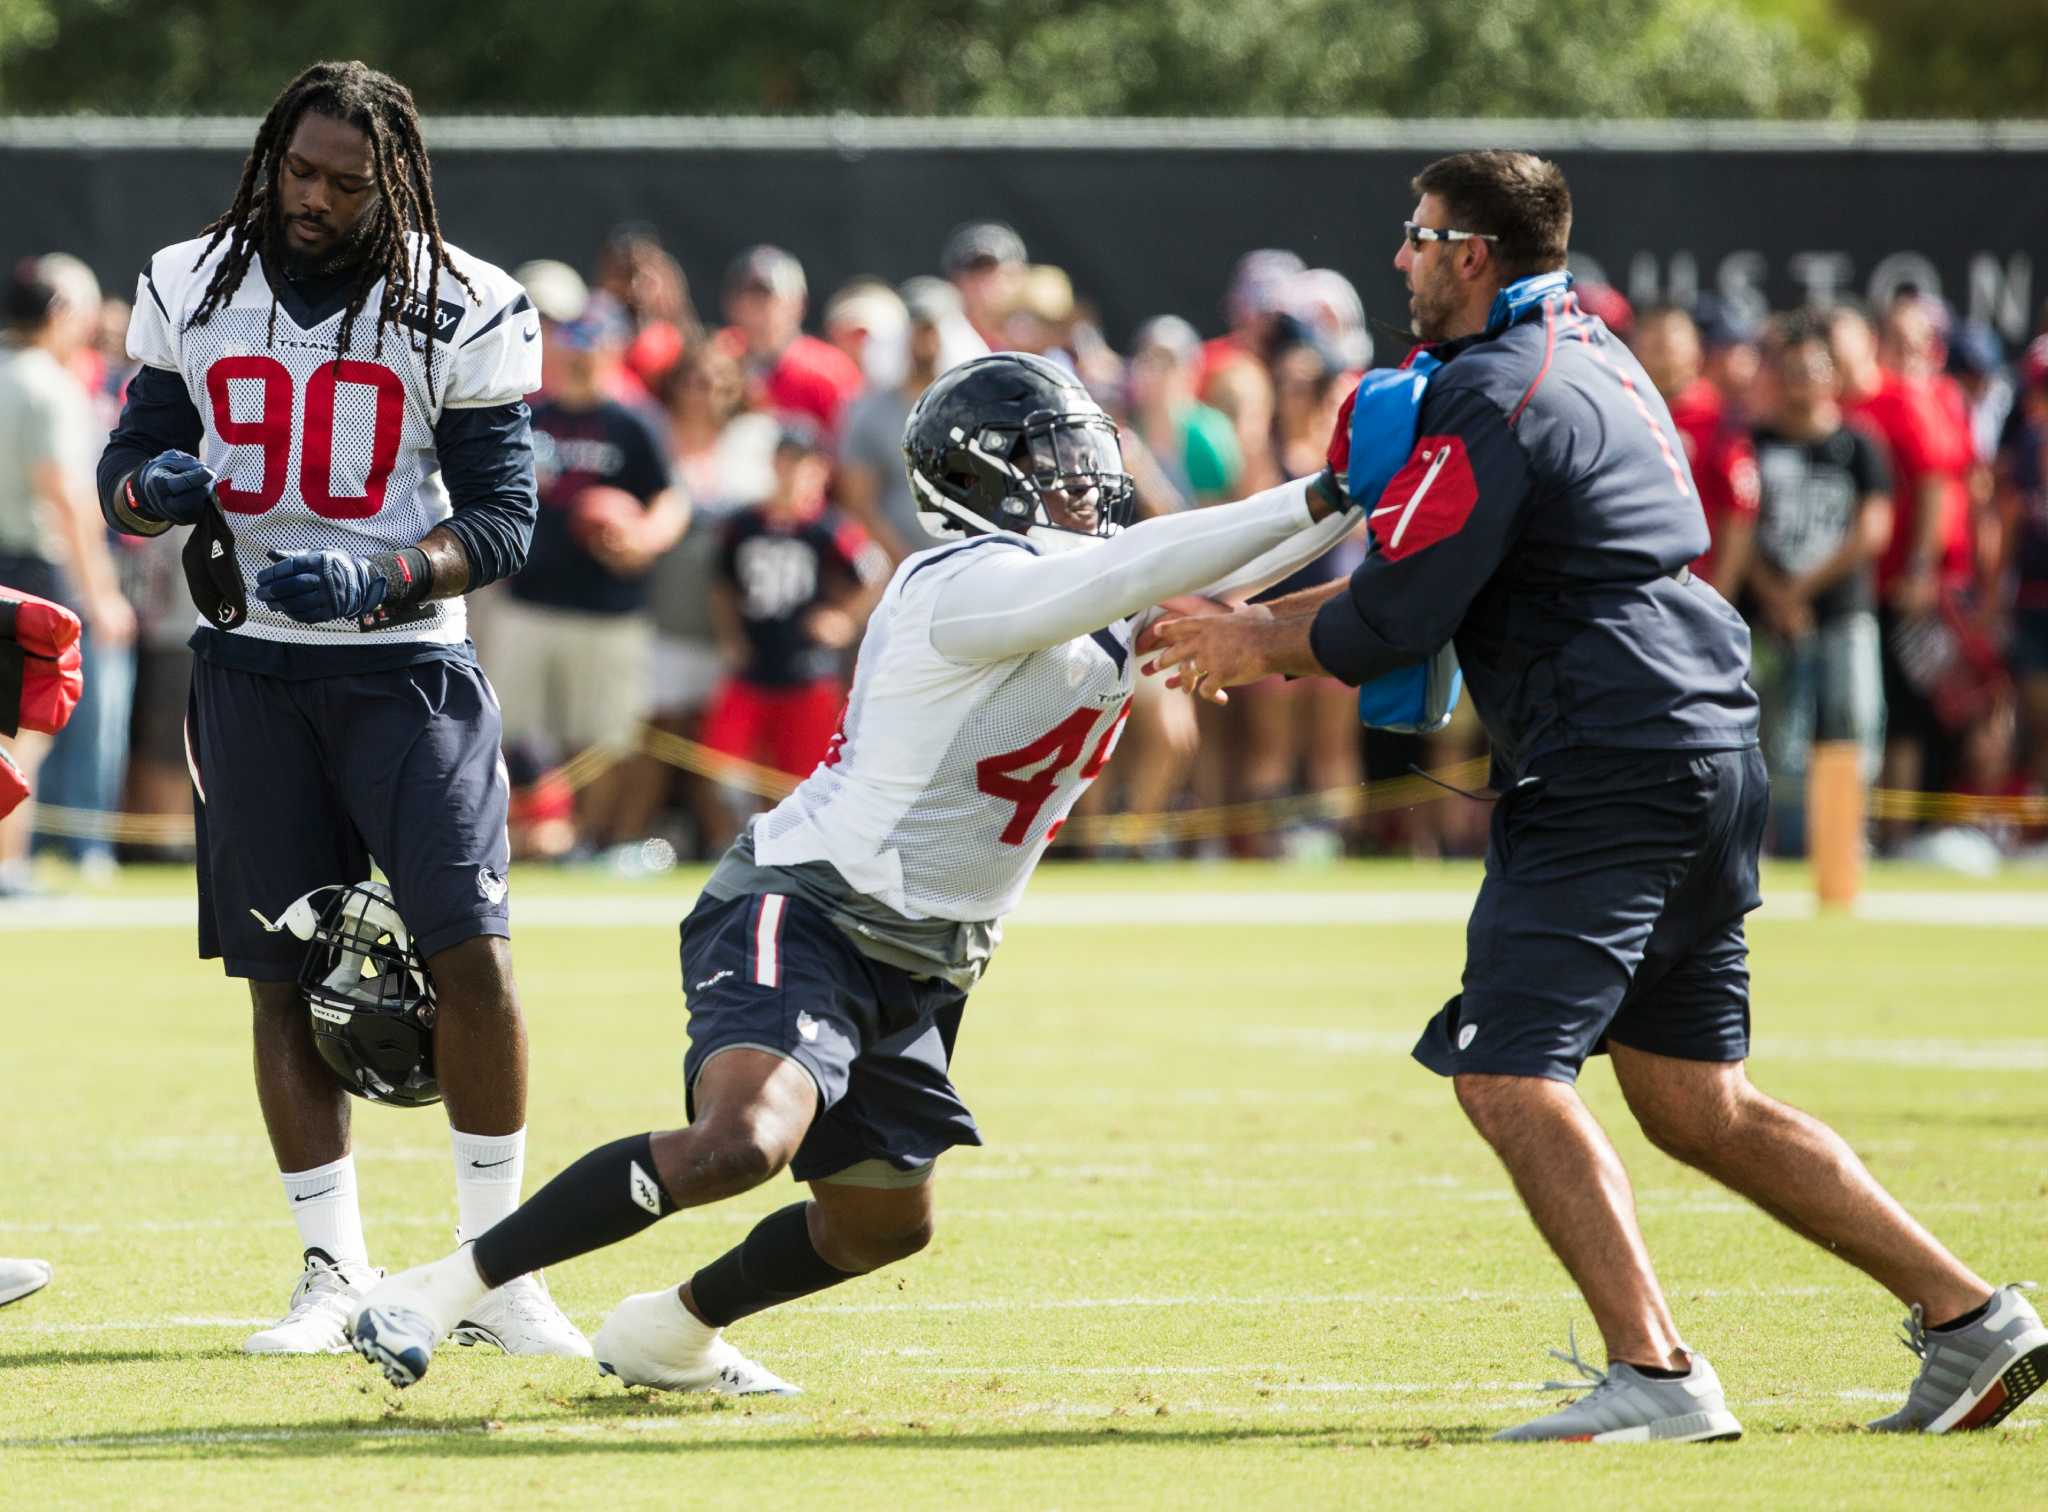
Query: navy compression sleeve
487, 462
157, 416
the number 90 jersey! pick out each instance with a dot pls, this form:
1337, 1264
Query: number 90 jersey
315, 455
949, 778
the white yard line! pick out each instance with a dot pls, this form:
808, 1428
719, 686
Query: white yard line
1929, 1054
1465, 1395
1363, 908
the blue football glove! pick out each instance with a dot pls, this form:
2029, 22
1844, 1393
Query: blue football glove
312, 586
174, 486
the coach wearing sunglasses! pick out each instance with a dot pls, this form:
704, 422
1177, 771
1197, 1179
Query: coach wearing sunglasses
1543, 523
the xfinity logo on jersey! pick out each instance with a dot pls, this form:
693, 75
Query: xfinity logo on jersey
439, 322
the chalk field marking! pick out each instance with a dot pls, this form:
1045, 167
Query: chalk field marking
1486, 1394
1363, 908
2021, 1055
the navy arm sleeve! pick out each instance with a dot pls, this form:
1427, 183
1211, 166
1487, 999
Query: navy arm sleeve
1440, 531
487, 462
157, 416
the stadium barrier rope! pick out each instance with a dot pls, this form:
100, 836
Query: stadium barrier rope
174, 831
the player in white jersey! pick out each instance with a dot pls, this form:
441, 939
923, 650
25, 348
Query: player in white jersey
828, 960
333, 398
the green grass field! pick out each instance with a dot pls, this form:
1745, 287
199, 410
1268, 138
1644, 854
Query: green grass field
1226, 1245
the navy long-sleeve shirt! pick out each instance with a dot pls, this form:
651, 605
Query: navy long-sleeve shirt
1543, 523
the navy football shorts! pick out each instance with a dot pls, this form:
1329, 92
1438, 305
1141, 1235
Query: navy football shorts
1616, 885
770, 972
298, 783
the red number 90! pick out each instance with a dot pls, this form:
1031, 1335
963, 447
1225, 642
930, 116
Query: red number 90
271, 432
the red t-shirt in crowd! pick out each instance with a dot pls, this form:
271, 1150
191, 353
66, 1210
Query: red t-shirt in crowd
1925, 424
1218, 353
1722, 460
811, 377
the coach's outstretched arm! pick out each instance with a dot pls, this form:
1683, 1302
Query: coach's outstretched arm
1013, 602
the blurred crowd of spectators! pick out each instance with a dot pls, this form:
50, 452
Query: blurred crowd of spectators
722, 503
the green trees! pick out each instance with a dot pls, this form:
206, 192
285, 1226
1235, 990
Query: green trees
1011, 57
1588, 58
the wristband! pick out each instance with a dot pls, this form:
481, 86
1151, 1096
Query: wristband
1330, 488
131, 513
408, 576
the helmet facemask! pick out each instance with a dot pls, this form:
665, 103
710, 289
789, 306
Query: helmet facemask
1059, 479
369, 994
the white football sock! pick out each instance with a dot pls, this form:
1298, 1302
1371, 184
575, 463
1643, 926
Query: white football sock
489, 1170
448, 1289
690, 1329
324, 1206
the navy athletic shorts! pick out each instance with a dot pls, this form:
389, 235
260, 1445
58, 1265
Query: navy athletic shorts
300, 782
1616, 884
773, 973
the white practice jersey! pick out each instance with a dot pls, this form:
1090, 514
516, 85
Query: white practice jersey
954, 768
949, 778
315, 456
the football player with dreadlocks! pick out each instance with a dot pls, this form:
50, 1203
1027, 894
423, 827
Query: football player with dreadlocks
333, 398
828, 960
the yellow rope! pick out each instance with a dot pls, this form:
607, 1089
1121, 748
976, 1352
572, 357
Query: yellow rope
1257, 817
731, 771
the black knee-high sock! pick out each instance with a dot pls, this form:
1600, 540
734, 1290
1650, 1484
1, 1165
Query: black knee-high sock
775, 1263
610, 1194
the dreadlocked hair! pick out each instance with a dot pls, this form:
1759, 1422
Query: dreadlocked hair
382, 109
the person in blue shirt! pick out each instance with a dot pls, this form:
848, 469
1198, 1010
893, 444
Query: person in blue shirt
1543, 523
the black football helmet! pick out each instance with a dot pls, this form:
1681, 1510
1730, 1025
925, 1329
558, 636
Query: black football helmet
1013, 443
368, 991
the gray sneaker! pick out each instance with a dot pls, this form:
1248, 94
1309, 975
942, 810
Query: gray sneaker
1974, 1377
1627, 1407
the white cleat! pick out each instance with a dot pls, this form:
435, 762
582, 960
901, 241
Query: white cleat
317, 1320
22, 1278
398, 1323
397, 1340
522, 1319
652, 1340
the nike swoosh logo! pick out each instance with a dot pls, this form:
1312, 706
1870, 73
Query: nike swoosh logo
486, 1165
529, 335
328, 1192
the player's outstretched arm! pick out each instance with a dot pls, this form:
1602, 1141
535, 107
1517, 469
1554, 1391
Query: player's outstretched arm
1008, 603
1289, 557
